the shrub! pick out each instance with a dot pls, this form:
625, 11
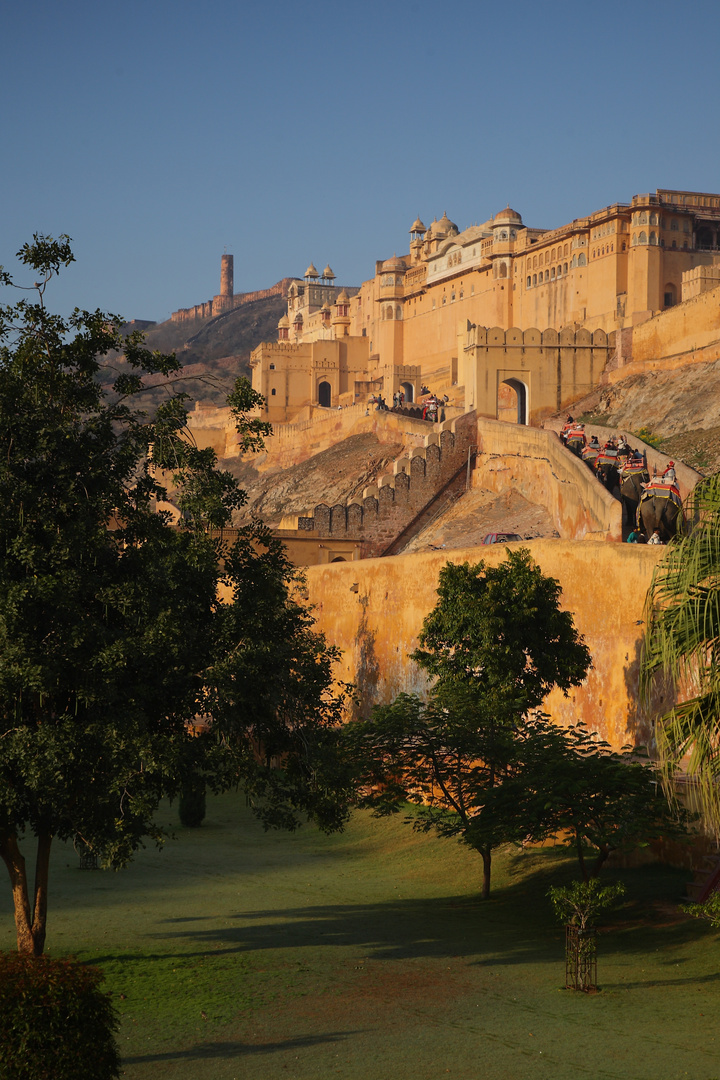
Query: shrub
55, 1022
648, 437
709, 910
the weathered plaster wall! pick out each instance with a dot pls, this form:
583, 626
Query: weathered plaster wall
535, 463
685, 334
373, 611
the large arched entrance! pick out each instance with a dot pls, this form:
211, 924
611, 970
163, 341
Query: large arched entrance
409, 390
512, 406
325, 394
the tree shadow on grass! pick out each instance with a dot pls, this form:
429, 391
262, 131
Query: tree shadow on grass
514, 927
493, 934
230, 1050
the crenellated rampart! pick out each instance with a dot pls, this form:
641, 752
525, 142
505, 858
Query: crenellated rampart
398, 498
220, 304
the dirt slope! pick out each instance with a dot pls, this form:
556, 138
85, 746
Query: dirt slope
477, 513
333, 476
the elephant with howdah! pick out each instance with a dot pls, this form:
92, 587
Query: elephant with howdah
631, 491
660, 512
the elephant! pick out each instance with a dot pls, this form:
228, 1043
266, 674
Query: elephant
661, 512
631, 481
590, 456
575, 443
606, 470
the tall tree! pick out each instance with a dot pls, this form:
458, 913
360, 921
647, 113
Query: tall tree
496, 643
113, 639
682, 649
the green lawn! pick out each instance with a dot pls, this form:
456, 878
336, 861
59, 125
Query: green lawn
234, 953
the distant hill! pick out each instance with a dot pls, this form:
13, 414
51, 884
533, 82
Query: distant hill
213, 351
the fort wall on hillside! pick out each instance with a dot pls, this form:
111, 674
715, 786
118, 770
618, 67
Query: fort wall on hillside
387, 508
228, 302
373, 610
685, 334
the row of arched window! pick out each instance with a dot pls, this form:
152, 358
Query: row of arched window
547, 256
389, 312
552, 274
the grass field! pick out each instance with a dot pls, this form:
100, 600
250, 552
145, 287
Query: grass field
238, 954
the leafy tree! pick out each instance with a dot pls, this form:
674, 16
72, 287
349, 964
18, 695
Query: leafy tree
600, 799
682, 647
496, 643
113, 637
581, 903
499, 631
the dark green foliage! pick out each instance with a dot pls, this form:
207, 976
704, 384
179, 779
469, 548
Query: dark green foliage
191, 809
113, 637
602, 800
472, 755
500, 630
55, 1021
682, 648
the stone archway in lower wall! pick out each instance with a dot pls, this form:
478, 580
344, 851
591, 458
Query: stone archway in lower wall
325, 394
513, 405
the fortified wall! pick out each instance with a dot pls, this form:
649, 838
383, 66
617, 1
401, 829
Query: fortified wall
227, 300
685, 334
388, 508
548, 369
534, 463
373, 610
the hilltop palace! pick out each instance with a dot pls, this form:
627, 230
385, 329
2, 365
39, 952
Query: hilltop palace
495, 310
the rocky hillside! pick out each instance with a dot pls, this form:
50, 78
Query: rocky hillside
213, 351
332, 476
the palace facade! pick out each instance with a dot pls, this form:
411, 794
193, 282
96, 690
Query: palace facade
408, 325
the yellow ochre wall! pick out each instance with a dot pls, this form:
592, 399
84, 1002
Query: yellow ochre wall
373, 610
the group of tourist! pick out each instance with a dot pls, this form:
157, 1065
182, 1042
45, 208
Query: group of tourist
432, 408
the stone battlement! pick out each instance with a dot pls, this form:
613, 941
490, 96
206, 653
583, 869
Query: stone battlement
220, 304
398, 498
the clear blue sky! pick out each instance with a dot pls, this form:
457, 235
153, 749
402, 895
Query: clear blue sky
157, 134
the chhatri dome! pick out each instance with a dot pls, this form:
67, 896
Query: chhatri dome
396, 263
311, 271
417, 226
508, 216
445, 225
327, 273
